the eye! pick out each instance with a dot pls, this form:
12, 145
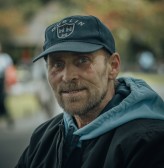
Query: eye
58, 64
83, 59
55, 64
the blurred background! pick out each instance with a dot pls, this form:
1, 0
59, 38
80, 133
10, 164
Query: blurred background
138, 29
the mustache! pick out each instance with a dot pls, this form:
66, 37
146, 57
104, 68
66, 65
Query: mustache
71, 86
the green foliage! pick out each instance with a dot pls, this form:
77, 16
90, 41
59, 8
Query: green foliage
26, 8
6, 4
132, 22
140, 20
29, 9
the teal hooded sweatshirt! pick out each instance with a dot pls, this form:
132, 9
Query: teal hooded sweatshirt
140, 102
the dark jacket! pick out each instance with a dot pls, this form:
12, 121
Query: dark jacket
136, 144
129, 133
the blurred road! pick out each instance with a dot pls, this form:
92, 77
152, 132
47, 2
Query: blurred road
14, 139
159, 89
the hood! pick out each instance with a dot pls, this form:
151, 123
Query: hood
141, 102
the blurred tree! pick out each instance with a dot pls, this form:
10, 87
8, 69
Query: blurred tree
6, 4
136, 24
10, 21
14, 16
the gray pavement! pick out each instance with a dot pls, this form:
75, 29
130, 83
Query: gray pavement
14, 139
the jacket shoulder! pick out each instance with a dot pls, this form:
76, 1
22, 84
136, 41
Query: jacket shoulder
41, 142
46, 127
141, 142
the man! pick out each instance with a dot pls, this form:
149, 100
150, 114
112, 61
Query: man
107, 122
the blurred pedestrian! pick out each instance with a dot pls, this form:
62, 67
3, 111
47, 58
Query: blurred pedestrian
7, 78
107, 121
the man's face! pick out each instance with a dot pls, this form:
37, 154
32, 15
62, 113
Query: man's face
80, 81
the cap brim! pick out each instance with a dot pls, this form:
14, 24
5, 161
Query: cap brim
70, 46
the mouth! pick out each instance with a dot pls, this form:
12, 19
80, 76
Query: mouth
72, 92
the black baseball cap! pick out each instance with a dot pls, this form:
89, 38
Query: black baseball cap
82, 34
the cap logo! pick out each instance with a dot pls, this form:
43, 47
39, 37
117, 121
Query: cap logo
65, 30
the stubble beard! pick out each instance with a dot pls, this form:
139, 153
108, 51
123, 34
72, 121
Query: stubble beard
85, 105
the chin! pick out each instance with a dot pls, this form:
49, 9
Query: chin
75, 109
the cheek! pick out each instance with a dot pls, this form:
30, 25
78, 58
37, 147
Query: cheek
53, 80
93, 71
97, 77
100, 72
50, 79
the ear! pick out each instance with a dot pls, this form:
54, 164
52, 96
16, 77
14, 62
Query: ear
114, 63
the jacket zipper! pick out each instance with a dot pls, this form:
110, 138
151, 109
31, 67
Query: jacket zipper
61, 143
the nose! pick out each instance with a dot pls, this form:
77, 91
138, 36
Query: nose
70, 73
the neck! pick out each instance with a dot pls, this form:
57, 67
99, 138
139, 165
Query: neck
82, 120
